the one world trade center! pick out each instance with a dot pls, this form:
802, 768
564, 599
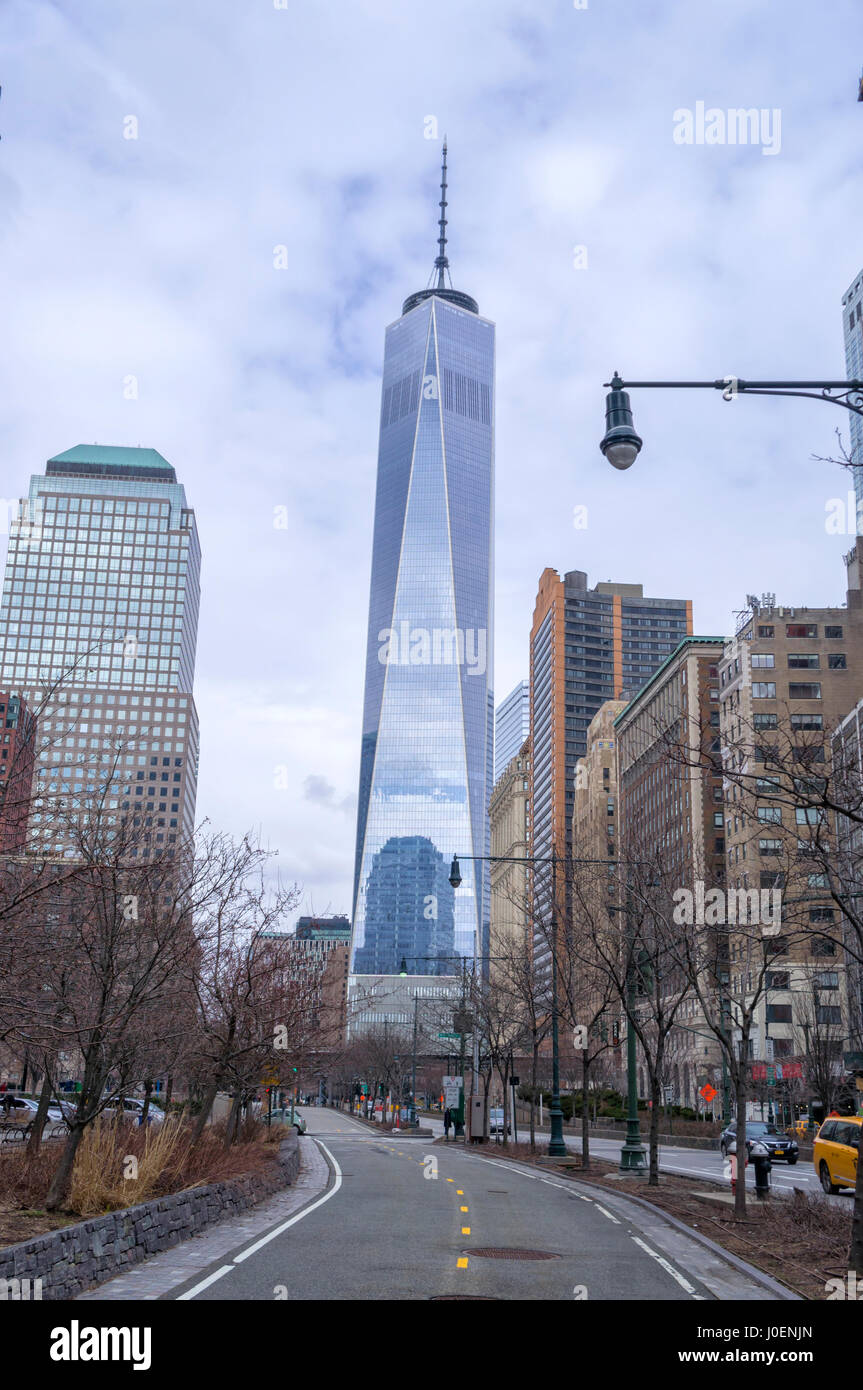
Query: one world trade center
426, 761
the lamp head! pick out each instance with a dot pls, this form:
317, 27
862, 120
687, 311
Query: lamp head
620, 445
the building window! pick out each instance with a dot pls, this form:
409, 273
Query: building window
771, 815
836, 661
799, 661
807, 721
801, 690
808, 753
778, 1013
832, 631
763, 661
801, 630
826, 979
763, 690
766, 721
765, 632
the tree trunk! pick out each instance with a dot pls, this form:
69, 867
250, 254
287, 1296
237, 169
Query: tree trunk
204, 1112
145, 1110
585, 1116
40, 1117
655, 1095
169, 1092
534, 1068
233, 1120
62, 1179
740, 1104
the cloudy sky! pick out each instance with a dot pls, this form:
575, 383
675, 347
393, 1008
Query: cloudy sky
585, 230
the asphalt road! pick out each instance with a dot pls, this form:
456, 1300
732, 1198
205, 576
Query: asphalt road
694, 1163
388, 1229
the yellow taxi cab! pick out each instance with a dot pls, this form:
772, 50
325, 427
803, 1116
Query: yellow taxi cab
834, 1155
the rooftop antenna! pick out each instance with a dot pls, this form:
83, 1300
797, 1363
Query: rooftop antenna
441, 259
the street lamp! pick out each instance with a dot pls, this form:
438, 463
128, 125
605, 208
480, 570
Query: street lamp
621, 445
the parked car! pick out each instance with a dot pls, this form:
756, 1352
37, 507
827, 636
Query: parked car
282, 1116
835, 1152
133, 1109
495, 1122
778, 1145
22, 1109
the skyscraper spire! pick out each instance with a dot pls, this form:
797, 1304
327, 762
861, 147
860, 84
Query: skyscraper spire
440, 272
441, 260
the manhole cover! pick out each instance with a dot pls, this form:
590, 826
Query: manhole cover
509, 1252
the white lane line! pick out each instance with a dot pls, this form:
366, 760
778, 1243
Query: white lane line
669, 1268
496, 1163
286, 1225
608, 1214
205, 1283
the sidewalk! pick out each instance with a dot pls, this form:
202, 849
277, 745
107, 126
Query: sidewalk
159, 1275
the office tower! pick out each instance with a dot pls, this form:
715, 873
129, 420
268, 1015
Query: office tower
670, 814
509, 820
336, 929
426, 758
847, 754
586, 646
98, 626
787, 680
17, 752
852, 324
595, 821
511, 726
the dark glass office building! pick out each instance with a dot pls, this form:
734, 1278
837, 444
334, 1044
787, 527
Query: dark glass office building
426, 761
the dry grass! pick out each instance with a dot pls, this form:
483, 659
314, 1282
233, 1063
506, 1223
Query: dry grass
119, 1163
165, 1162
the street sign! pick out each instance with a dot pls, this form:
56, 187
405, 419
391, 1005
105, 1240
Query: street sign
514, 1081
452, 1092
456, 1036
708, 1092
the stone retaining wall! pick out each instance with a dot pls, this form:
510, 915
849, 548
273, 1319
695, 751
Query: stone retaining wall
76, 1258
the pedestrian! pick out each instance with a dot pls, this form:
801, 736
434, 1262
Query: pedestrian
447, 1121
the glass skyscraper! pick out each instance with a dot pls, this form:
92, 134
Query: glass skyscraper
852, 324
511, 726
98, 623
426, 759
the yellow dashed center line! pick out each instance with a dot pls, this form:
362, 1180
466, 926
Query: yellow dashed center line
465, 1230
462, 1263
463, 1208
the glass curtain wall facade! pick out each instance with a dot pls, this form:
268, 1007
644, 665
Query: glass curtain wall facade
426, 760
852, 324
100, 608
511, 727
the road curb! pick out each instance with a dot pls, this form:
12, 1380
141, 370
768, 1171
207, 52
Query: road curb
742, 1266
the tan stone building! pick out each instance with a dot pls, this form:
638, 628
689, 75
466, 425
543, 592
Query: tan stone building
788, 678
670, 813
509, 817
